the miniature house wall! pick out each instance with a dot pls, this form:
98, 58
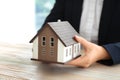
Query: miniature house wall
54, 43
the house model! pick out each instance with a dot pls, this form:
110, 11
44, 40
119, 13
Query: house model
54, 43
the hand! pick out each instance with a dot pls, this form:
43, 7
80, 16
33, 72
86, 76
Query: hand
92, 53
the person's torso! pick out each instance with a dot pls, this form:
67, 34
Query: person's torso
109, 30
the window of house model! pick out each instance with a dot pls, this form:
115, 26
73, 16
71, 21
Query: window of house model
43, 41
78, 48
66, 52
75, 49
52, 41
70, 52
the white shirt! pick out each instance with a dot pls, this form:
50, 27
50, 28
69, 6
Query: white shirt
90, 19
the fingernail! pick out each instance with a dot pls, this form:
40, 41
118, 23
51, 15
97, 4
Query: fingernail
76, 36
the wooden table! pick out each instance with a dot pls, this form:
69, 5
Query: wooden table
15, 61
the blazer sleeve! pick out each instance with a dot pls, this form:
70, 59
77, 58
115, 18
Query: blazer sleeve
114, 51
57, 12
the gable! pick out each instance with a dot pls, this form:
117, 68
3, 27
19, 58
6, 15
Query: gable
63, 30
47, 30
43, 30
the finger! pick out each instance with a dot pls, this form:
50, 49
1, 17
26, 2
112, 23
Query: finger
75, 62
81, 40
80, 62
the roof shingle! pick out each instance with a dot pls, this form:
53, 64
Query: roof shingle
64, 31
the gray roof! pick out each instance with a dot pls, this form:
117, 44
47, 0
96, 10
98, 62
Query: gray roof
64, 31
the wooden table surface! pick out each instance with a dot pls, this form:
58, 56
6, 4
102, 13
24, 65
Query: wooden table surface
15, 61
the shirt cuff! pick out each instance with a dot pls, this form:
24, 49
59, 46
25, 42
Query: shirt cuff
113, 51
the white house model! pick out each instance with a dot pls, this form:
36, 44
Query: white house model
54, 43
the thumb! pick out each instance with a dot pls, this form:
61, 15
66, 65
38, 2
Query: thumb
82, 41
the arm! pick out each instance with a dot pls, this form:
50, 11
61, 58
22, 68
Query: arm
114, 51
92, 54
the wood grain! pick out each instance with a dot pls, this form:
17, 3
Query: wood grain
15, 61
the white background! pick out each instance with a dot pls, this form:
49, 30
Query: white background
17, 20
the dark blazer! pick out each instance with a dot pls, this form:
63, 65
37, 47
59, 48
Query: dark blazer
109, 28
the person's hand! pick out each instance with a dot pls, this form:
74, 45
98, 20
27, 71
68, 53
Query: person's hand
92, 53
